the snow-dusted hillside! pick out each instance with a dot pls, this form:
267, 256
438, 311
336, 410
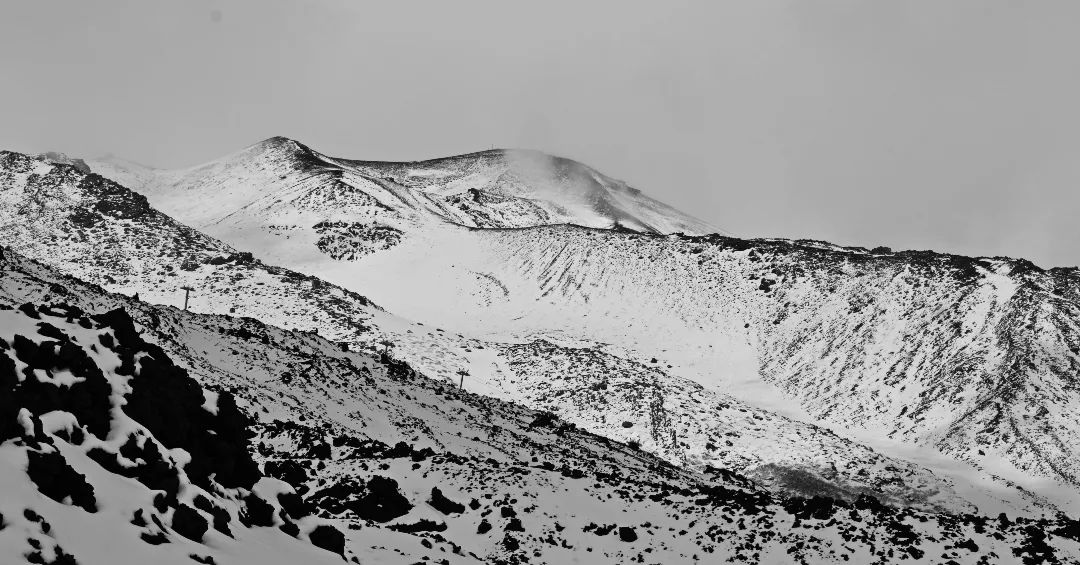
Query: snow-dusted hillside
409, 468
973, 357
976, 358
709, 352
670, 416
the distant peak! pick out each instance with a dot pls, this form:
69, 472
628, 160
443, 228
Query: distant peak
287, 149
277, 139
279, 142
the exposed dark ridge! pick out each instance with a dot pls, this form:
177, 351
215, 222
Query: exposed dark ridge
301, 149
810, 246
486, 153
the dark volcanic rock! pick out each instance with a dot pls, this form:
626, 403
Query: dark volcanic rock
170, 404
189, 523
257, 512
445, 505
58, 481
328, 538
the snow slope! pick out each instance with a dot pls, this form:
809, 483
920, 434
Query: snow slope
971, 358
974, 358
669, 416
411, 469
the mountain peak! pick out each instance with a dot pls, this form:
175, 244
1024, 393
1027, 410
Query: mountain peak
279, 145
495, 188
279, 142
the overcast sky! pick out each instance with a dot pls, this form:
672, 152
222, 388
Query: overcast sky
945, 125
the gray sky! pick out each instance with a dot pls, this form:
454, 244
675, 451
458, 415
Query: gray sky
914, 124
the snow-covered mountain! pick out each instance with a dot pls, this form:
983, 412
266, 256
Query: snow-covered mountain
676, 418
975, 358
938, 385
286, 183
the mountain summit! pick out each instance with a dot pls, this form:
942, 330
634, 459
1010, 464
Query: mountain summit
500, 188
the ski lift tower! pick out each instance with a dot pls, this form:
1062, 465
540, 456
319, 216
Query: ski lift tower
187, 292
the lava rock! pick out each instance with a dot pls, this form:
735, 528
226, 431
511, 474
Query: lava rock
257, 512
57, 480
329, 538
189, 523
383, 501
445, 505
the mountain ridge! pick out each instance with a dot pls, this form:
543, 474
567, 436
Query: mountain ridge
498, 187
671, 344
519, 282
232, 282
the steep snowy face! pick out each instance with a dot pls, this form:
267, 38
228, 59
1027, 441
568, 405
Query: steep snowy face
85, 219
104, 233
406, 468
520, 188
976, 357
